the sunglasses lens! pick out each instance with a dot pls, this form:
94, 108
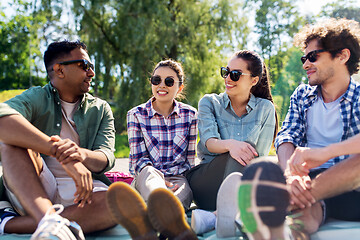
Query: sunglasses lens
312, 57
303, 59
155, 80
169, 82
235, 75
224, 72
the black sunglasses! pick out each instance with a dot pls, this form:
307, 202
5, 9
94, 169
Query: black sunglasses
234, 74
84, 64
156, 80
312, 56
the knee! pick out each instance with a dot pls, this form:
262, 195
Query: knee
7, 150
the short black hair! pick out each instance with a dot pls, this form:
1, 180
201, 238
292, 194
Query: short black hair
60, 49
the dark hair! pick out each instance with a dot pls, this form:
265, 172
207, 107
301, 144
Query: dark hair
58, 50
177, 68
257, 68
334, 35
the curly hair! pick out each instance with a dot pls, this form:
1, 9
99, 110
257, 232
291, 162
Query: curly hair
334, 35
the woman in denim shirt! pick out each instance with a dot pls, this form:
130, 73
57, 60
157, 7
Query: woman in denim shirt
235, 126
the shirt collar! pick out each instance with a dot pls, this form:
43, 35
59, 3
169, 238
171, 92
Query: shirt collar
151, 111
250, 105
56, 93
349, 94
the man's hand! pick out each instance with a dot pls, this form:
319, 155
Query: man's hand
300, 191
303, 159
71, 156
242, 152
83, 181
66, 150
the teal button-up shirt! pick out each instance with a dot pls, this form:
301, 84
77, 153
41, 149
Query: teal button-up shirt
94, 120
217, 119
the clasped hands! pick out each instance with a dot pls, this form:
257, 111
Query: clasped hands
298, 167
71, 157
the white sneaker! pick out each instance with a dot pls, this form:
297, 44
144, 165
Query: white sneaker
227, 206
202, 221
53, 226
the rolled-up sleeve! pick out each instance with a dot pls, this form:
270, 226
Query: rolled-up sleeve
105, 138
208, 127
293, 128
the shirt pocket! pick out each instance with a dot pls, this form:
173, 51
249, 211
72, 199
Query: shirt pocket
253, 133
180, 146
152, 145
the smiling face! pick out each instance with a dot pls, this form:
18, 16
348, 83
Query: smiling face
244, 84
72, 80
322, 70
161, 92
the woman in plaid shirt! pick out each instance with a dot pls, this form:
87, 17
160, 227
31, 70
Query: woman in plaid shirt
162, 136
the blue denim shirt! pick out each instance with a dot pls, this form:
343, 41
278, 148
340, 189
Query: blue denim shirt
94, 120
217, 119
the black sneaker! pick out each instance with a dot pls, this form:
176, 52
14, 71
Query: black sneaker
263, 199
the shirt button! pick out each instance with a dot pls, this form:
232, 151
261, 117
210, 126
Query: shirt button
58, 103
238, 134
58, 124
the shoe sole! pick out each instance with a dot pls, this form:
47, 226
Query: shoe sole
167, 215
263, 198
227, 206
128, 209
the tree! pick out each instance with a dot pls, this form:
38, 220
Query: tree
290, 77
132, 36
276, 23
22, 36
341, 9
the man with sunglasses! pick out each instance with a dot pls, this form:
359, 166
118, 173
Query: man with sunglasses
74, 133
324, 112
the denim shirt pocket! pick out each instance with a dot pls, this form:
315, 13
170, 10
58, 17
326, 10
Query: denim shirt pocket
180, 145
253, 133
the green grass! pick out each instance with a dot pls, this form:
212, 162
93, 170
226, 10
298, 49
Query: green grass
7, 94
121, 146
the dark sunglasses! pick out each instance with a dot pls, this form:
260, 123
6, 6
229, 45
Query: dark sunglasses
84, 64
234, 74
312, 56
156, 80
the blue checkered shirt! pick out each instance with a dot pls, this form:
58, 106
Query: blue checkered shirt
294, 126
168, 144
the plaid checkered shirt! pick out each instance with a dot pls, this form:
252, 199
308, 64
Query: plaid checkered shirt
294, 126
166, 143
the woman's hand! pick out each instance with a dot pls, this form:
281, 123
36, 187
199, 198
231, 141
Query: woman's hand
242, 152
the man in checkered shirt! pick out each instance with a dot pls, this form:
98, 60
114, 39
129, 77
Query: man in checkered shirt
323, 113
